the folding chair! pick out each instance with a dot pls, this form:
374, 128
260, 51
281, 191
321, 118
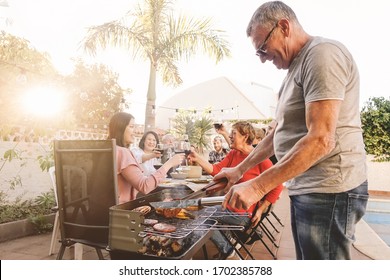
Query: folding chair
251, 235
78, 252
265, 229
86, 184
276, 217
56, 226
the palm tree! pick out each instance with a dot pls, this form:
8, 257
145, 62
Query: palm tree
197, 127
152, 33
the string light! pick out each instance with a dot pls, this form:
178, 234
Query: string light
195, 111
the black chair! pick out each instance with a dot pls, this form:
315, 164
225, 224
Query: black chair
276, 217
86, 189
251, 235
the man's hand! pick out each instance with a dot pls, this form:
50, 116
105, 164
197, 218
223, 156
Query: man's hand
232, 174
243, 195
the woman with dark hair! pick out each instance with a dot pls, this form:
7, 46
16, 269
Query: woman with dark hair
146, 153
131, 178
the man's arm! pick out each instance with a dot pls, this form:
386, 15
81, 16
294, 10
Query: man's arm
321, 121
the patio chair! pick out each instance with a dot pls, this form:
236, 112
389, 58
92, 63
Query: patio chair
251, 235
86, 188
78, 252
56, 226
276, 217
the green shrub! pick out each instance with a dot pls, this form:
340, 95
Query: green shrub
375, 117
34, 210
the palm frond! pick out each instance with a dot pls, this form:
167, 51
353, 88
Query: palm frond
188, 35
153, 15
115, 34
169, 71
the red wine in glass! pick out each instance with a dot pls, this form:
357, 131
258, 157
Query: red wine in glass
217, 125
158, 150
187, 147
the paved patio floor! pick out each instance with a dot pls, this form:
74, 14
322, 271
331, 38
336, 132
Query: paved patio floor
367, 246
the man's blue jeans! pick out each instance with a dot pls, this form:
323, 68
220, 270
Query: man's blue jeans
323, 224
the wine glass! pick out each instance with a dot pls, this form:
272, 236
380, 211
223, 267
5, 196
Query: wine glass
159, 148
187, 148
183, 147
218, 124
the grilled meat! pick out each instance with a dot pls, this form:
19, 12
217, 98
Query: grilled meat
163, 227
168, 212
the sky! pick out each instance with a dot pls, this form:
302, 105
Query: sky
58, 26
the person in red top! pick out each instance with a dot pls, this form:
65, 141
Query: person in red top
241, 138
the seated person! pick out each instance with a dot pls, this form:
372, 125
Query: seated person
146, 154
219, 152
241, 138
131, 177
259, 135
168, 141
222, 130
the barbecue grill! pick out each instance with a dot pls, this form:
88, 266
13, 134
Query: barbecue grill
129, 238
127, 232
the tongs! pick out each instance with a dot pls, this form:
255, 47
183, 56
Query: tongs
192, 201
210, 188
196, 203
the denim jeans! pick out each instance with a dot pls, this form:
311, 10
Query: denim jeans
220, 241
323, 225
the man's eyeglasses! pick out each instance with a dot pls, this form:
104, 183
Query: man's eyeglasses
260, 50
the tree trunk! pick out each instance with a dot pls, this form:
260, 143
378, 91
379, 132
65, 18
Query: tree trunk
150, 110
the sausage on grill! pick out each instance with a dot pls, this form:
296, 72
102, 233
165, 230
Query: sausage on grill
143, 209
150, 222
163, 227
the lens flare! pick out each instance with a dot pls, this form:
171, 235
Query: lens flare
44, 102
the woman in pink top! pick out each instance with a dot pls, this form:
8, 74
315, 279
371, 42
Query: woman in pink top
131, 179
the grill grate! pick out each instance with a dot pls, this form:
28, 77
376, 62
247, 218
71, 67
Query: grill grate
183, 227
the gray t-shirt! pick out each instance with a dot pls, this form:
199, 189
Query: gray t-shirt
324, 69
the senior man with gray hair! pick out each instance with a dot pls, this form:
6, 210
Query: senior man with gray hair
317, 140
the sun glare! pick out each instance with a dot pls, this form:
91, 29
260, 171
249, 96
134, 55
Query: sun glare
44, 102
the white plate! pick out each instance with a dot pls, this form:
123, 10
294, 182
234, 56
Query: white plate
172, 184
